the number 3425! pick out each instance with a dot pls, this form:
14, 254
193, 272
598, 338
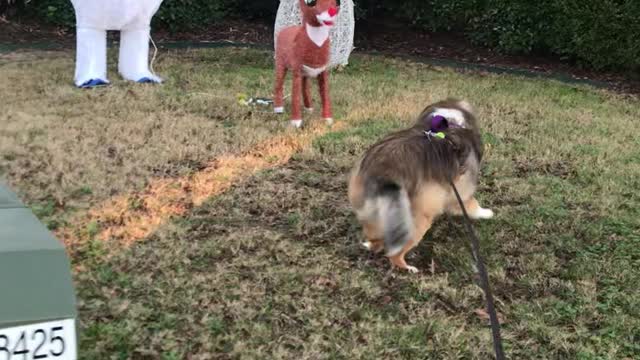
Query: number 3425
35, 343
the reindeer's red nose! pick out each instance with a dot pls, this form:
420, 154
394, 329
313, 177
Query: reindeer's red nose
333, 11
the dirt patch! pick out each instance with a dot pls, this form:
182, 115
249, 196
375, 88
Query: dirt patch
530, 166
128, 218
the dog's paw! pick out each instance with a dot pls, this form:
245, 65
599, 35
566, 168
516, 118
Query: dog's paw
278, 110
483, 213
374, 247
309, 110
412, 269
329, 121
296, 123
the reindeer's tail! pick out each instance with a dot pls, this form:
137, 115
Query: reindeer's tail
387, 204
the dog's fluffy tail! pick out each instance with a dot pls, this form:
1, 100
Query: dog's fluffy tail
387, 203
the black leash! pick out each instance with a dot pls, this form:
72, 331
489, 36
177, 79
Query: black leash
484, 280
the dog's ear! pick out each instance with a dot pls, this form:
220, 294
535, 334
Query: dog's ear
458, 144
464, 142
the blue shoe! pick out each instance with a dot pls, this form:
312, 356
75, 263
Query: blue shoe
146, 80
93, 83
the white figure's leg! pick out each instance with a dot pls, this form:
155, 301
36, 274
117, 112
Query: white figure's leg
91, 57
133, 63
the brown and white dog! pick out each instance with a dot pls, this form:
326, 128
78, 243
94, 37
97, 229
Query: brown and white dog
305, 50
402, 183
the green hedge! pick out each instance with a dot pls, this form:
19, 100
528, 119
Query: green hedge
603, 34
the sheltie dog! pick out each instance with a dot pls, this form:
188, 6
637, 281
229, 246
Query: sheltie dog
404, 181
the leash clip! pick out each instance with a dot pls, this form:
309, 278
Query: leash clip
430, 134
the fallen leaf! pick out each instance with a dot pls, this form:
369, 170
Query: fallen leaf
322, 281
484, 315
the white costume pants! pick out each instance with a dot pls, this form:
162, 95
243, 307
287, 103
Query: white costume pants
132, 18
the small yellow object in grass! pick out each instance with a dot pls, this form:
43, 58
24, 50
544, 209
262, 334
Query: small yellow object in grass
439, 135
242, 98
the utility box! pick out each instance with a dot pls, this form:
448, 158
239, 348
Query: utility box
37, 297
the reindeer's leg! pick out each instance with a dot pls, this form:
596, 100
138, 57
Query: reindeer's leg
296, 94
281, 73
306, 88
323, 82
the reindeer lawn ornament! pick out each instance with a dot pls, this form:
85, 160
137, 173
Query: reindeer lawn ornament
133, 19
305, 51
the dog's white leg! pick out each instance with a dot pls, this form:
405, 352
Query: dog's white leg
473, 208
375, 247
482, 213
412, 269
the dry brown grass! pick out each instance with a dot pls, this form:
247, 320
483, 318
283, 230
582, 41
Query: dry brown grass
57, 140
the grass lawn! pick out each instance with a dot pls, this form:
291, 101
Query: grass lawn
265, 262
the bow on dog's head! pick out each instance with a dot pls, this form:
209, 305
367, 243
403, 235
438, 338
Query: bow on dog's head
440, 123
448, 114
454, 120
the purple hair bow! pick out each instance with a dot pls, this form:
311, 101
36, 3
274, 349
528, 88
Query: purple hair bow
440, 123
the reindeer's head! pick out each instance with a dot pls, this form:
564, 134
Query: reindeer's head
320, 12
